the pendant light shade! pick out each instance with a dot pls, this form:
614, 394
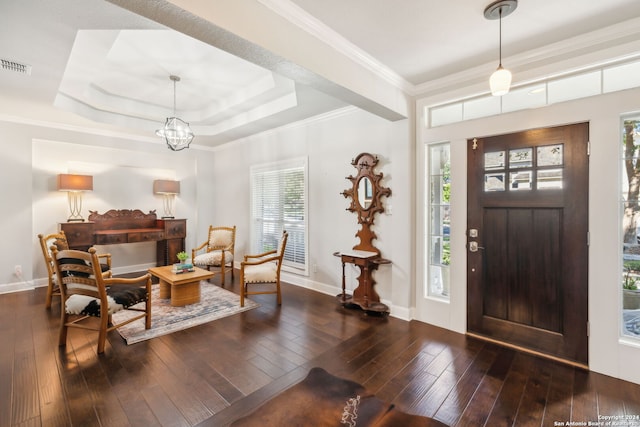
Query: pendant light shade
500, 81
176, 132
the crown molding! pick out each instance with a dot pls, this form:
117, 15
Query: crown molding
75, 128
329, 115
299, 17
597, 48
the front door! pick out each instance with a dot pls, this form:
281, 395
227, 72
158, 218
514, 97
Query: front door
527, 237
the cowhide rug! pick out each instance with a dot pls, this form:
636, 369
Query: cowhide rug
322, 399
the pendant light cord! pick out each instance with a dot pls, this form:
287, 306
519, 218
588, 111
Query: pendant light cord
174, 94
500, 40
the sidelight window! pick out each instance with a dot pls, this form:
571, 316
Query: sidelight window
438, 250
630, 201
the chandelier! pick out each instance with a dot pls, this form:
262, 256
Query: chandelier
176, 132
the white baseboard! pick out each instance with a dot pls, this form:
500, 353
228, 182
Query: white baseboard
402, 313
19, 286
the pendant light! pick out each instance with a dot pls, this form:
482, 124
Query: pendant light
500, 80
176, 132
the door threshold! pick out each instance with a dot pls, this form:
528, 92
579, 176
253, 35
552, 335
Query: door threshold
529, 351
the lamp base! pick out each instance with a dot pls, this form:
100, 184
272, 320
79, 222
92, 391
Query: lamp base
168, 217
75, 219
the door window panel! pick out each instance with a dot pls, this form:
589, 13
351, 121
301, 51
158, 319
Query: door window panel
550, 155
494, 182
521, 158
549, 179
493, 161
520, 180
524, 170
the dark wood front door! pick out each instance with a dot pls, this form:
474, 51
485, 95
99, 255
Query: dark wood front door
527, 239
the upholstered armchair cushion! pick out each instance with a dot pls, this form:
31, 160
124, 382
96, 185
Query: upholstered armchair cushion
221, 238
213, 258
261, 273
119, 297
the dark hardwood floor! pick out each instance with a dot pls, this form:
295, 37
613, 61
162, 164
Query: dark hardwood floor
212, 374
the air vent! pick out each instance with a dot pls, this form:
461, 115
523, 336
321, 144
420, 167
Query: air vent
15, 66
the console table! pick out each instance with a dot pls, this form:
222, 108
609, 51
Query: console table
364, 296
129, 226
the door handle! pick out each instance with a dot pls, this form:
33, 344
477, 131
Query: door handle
473, 246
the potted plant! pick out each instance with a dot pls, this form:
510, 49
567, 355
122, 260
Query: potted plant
182, 256
181, 267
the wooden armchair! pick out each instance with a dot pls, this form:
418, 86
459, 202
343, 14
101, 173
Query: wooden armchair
263, 269
219, 251
59, 240
85, 290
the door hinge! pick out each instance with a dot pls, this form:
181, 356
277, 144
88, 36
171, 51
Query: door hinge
588, 148
588, 238
588, 329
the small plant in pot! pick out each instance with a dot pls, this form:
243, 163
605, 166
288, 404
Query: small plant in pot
182, 256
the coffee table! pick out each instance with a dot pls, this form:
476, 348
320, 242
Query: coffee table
182, 288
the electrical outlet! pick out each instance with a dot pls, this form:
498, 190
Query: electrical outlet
18, 270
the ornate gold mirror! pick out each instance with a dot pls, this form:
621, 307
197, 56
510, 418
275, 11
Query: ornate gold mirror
366, 193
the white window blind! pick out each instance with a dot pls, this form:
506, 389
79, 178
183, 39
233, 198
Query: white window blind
279, 202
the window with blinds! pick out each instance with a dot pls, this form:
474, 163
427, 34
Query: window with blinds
279, 202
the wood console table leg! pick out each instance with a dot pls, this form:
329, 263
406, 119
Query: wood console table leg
344, 285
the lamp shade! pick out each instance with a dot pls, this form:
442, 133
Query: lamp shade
69, 182
500, 81
165, 186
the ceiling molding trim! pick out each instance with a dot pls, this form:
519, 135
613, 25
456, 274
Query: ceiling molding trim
267, 109
299, 17
599, 47
77, 128
330, 115
93, 131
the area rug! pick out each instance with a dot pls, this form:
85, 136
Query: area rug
322, 399
215, 303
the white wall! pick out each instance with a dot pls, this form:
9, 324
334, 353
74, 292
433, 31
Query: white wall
123, 171
214, 190
330, 142
607, 353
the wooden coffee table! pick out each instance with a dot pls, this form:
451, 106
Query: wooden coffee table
182, 288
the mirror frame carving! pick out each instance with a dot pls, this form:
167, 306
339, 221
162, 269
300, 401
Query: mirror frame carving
365, 164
